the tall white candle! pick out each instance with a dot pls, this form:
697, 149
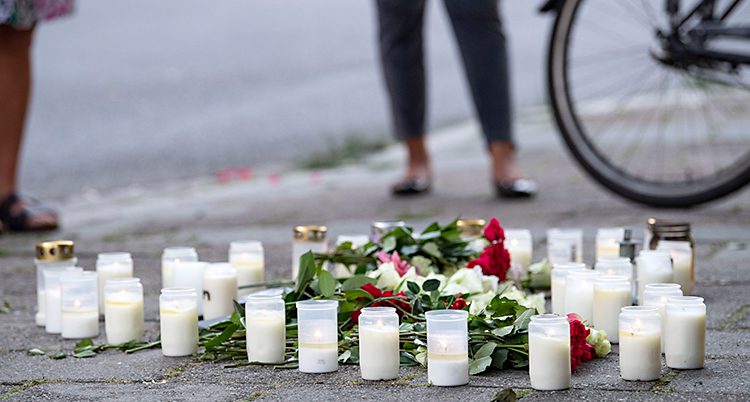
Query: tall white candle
657, 294
558, 281
318, 336
520, 246
178, 314
248, 258
52, 300
549, 352
685, 332
682, 253
620, 266
56, 254
640, 343
123, 310
379, 355
190, 275
80, 314
111, 266
653, 267
219, 290
266, 329
611, 294
564, 245
608, 242
447, 348
171, 259
579, 293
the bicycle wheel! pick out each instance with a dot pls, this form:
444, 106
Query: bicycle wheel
654, 133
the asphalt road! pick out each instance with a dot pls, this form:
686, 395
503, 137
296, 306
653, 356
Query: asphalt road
141, 92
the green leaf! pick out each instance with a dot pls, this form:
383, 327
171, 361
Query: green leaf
499, 356
84, 344
503, 331
57, 355
522, 322
413, 287
219, 339
430, 285
430, 235
306, 272
480, 365
326, 283
345, 356
486, 350
409, 250
389, 244
356, 282
432, 249
505, 395
84, 354
354, 294
35, 352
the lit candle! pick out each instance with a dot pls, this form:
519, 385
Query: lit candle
219, 290
447, 347
171, 259
579, 293
549, 352
682, 261
558, 280
52, 301
247, 257
608, 242
318, 336
611, 294
685, 332
657, 294
110, 266
80, 314
190, 275
653, 267
265, 321
620, 266
565, 245
640, 343
57, 254
379, 355
520, 246
178, 313
123, 310
357, 241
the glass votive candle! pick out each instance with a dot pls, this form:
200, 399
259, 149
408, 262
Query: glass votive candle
379, 354
657, 294
248, 258
611, 294
357, 241
520, 246
379, 228
549, 352
640, 343
685, 332
564, 245
53, 297
558, 281
317, 327
608, 242
219, 290
620, 266
178, 315
579, 293
171, 259
652, 267
190, 275
447, 347
110, 266
265, 324
56, 254
123, 310
307, 238
80, 308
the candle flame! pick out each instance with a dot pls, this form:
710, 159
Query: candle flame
444, 344
318, 335
637, 325
380, 323
77, 303
514, 242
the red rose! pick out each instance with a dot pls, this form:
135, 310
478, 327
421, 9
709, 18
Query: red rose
494, 232
494, 260
459, 304
580, 350
401, 302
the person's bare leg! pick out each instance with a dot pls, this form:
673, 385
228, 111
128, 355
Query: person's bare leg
418, 162
504, 165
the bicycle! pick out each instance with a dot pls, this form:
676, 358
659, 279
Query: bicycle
652, 97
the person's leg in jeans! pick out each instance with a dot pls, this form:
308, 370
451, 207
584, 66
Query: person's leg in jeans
400, 37
482, 42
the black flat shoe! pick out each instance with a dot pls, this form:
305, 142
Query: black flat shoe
411, 187
17, 214
518, 188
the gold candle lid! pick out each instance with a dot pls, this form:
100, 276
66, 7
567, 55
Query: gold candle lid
310, 233
471, 227
55, 250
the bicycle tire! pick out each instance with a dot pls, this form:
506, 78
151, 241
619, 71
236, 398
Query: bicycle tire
599, 167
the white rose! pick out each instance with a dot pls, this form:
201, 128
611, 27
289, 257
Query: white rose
464, 281
386, 275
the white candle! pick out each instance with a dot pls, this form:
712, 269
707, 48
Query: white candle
379, 355
611, 294
683, 262
608, 242
565, 245
266, 330
79, 323
549, 352
111, 266
447, 348
558, 281
519, 244
620, 266
219, 290
52, 299
656, 295
307, 238
190, 275
579, 293
640, 343
248, 258
171, 259
178, 313
318, 336
123, 310
653, 267
685, 332
79, 305
57, 254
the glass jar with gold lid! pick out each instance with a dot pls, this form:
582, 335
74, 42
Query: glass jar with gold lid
307, 238
52, 255
675, 238
471, 229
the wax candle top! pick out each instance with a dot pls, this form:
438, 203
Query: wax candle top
639, 319
314, 233
550, 325
685, 303
379, 318
174, 300
658, 293
612, 282
219, 269
113, 258
518, 237
123, 290
581, 276
245, 246
614, 266
180, 254
317, 305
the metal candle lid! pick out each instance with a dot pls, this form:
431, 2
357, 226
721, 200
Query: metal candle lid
310, 233
471, 227
55, 250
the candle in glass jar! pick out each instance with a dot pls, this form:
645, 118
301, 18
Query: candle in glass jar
447, 347
219, 290
608, 242
579, 293
248, 258
620, 266
611, 294
379, 355
53, 297
652, 267
520, 247
80, 308
171, 259
564, 245
657, 294
685, 332
549, 352
318, 336
640, 343
123, 310
190, 275
307, 238
178, 314
110, 266
55, 255
265, 321
558, 281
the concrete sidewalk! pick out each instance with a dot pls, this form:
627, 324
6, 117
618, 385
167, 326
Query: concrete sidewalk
207, 214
